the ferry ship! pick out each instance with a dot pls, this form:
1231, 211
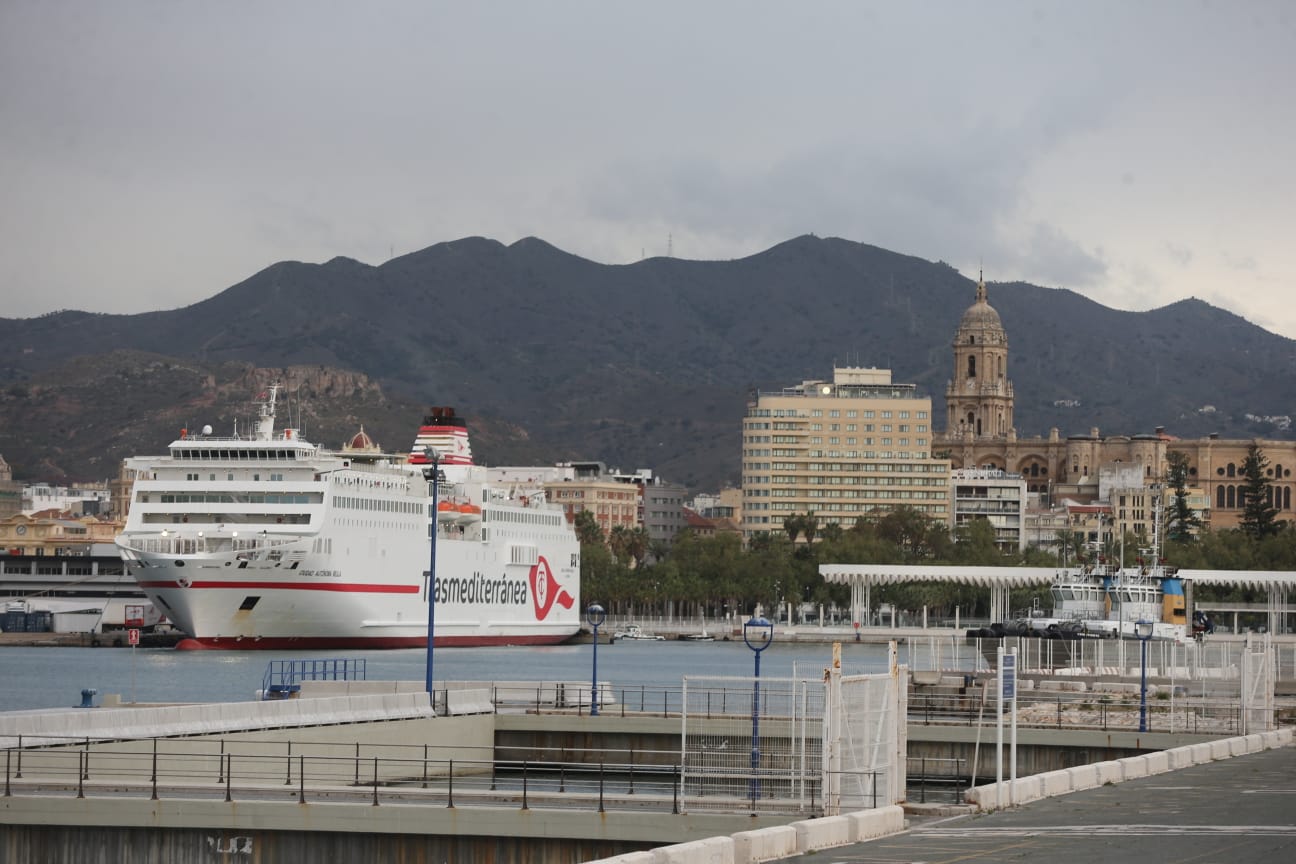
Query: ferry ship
270, 541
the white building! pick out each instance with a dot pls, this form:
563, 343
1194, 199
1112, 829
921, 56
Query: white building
995, 495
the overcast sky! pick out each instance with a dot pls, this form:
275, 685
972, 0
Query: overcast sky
154, 153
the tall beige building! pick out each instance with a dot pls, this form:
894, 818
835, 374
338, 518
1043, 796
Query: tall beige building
839, 449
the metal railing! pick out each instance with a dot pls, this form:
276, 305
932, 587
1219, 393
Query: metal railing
647, 781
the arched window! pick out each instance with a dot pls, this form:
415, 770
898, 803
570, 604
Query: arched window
1287, 498
1270, 494
1219, 497
1034, 470
971, 340
1231, 501
971, 421
1232, 471
978, 426
972, 367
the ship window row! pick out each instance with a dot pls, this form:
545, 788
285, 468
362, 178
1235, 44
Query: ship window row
223, 498
380, 505
239, 454
527, 518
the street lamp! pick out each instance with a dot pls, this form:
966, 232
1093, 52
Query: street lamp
758, 633
431, 474
1143, 629
595, 615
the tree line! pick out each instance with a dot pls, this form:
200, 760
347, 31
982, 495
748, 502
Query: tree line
717, 576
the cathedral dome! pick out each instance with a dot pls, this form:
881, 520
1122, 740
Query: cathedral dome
361, 441
981, 315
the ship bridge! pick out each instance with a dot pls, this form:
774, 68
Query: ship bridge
1276, 584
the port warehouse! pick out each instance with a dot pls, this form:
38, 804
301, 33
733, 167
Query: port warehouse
67, 593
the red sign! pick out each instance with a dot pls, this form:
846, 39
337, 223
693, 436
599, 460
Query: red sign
134, 616
133, 635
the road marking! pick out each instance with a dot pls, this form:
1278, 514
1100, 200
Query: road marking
1194, 830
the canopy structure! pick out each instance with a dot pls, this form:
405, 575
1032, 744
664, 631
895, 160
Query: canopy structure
1000, 580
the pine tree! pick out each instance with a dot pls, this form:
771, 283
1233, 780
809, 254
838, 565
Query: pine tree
1259, 516
1181, 522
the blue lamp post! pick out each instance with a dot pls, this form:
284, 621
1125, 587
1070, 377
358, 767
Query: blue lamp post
1143, 629
432, 475
595, 615
758, 633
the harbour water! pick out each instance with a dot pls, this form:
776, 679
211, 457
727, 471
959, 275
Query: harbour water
40, 678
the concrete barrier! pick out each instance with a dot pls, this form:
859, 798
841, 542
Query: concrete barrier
459, 702
1109, 772
824, 833
1179, 757
712, 850
764, 844
1026, 789
869, 824
1157, 763
629, 858
1055, 783
1221, 749
1083, 777
1133, 767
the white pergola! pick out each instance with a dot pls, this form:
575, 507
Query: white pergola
1000, 580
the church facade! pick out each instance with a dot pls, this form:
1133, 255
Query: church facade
980, 434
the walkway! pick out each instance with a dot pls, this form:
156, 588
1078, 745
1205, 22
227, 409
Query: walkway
1239, 810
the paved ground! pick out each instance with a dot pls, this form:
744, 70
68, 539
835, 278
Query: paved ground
1235, 811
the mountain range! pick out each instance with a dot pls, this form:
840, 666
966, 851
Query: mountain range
553, 357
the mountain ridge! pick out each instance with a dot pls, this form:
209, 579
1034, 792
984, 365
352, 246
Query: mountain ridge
649, 364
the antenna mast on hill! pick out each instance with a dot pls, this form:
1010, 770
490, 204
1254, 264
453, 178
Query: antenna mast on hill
670, 246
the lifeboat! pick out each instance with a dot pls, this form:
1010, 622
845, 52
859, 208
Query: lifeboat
469, 513
446, 511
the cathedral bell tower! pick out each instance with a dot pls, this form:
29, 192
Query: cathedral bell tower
979, 399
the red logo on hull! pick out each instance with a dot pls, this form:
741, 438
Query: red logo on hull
545, 590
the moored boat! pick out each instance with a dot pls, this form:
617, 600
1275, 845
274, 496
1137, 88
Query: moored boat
271, 541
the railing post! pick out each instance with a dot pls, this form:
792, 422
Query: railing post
301, 779
357, 763
229, 772
220, 763
675, 792
425, 776
155, 795
493, 764
81, 776
600, 787
8, 756
562, 777
86, 770
288, 778
631, 792
450, 787
18, 775
375, 783
524, 785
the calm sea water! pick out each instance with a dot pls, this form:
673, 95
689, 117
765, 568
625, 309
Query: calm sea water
54, 677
